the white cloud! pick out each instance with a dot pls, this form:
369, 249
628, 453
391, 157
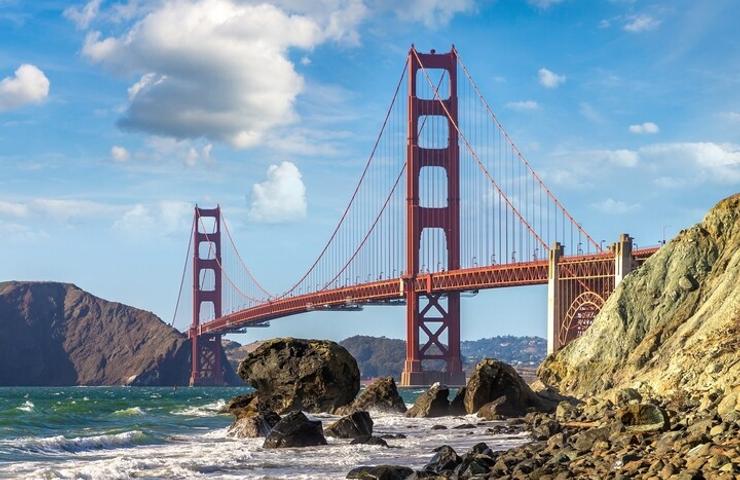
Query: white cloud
615, 207
83, 16
647, 127
162, 218
13, 209
431, 13
524, 105
590, 113
703, 161
550, 79
618, 158
544, 4
731, 116
641, 23
28, 85
281, 197
217, 69
119, 154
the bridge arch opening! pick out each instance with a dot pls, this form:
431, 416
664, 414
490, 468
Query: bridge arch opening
434, 131
433, 187
439, 77
433, 255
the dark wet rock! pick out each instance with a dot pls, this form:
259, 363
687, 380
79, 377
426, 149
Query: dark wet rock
369, 440
439, 427
380, 472
392, 436
380, 396
295, 430
251, 424
463, 426
432, 403
309, 375
457, 405
357, 424
495, 381
445, 458
643, 417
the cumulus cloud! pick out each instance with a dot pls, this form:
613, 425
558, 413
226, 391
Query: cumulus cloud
644, 128
281, 197
217, 69
523, 105
550, 79
641, 23
119, 154
83, 16
706, 161
28, 85
614, 207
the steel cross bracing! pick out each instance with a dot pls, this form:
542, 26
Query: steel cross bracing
446, 203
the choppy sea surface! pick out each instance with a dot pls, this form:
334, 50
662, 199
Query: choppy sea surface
164, 433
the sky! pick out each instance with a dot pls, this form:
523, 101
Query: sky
116, 117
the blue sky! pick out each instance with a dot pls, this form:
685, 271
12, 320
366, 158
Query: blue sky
115, 117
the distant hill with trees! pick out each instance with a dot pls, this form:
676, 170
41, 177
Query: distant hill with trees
381, 356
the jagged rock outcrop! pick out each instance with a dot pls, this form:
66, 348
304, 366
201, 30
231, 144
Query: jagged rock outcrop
57, 334
356, 425
671, 326
499, 388
295, 374
380, 396
432, 403
251, 424
295, 430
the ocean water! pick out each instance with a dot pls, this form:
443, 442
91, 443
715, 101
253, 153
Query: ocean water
153, 433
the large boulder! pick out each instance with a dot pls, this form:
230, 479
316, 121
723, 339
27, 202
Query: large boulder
357, 424
295, 374
432, 403
670, 325
380, 396
495, 381
295, 430
251, 424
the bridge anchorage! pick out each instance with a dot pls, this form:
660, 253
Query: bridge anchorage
472, 214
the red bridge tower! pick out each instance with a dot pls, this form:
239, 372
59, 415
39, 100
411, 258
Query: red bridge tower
432, 320
206, 368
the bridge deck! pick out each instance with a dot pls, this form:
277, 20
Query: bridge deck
479, 278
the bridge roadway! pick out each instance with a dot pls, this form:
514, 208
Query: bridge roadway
466, 279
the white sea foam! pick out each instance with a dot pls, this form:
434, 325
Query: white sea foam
60, 443
213, 455
207, 410
27, 406
129, 411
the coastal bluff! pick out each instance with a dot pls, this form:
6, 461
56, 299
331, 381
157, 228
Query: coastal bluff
58, 334
672, 326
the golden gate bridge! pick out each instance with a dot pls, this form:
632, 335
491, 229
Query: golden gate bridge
446, 204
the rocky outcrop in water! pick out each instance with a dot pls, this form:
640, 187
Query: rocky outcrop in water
495, 389
380, 396
356, 425
57, 334
295, 374
432, 403
673, 325
295, 430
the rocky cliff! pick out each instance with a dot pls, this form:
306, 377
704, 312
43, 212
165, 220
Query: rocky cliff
58, 334
672, 326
